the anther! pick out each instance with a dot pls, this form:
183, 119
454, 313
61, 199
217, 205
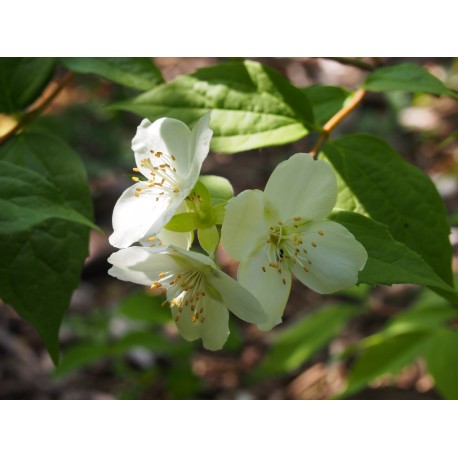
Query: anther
202, 319
174, 158
309, 261
163, 304
321, 233
135, 169
263, 269
177, 317
305, 268
283, 281
297, 218
313, 244
135, 179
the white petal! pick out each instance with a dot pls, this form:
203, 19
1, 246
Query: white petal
141, 265
178, 239
270, 287
302, 187
166, 135
245, 226
166, 237
201, 136
213, 331
236, 298
335, 260
135, 216
191, 258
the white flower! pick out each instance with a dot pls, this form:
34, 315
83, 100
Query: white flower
169, 156
282, 230
165, 237
199, 294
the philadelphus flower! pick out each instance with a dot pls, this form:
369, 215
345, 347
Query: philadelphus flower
165, 237
199, 294
282, 230
169, 156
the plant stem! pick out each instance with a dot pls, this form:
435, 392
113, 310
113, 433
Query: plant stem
31, 115
336, 119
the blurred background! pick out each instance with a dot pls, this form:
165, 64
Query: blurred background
116, 340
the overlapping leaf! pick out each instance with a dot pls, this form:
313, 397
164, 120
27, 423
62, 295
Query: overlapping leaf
252, 105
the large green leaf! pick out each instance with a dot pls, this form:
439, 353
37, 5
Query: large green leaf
253, 105
326, 101
22, 79
28, 199
136, 72
40, 264
294, 345
388, 261
384, 354
405, 77
388, 189
442, 361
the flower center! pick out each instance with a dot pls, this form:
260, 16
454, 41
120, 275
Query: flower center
188, 289
163, 178
285, 247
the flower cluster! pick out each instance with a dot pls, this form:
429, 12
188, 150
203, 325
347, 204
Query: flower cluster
169, 156
272, 234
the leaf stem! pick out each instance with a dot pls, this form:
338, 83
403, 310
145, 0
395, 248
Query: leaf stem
336, 119
31, 115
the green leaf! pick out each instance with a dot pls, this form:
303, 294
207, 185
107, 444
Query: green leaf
22, 79
220, 188
294, 345
135, 72
383, 354
252, 105
405, 77
182, 222
208, 238
442, 361
28, 199
326, 101
388, 261
144, 339
421, 318
40, 266
144, 307
395, 193
80, 356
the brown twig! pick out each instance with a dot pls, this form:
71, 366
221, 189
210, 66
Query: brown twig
336, 119
31, 115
